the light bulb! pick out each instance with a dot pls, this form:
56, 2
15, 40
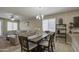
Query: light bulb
37, 17
42, 16
12, 19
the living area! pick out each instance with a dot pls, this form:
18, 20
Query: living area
39, 23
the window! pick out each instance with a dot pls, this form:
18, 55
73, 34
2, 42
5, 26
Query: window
45, 25
49, 25
0, 28
12, 26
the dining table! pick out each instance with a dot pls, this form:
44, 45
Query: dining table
37, 39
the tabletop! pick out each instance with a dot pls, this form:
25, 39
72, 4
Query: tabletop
38, 37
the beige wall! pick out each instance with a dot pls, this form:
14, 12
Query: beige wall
23, 25
32, 25
36, 24
67, 18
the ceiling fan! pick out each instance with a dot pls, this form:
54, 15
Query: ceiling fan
12, 17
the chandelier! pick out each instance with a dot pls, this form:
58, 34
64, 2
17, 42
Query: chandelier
12, 17
40, 16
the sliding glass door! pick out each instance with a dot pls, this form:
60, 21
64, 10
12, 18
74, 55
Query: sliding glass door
49, 25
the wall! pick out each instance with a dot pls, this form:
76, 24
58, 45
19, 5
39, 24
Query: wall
33, 24
37, 24
67, 17
23, 25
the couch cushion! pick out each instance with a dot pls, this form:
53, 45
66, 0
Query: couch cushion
12, 36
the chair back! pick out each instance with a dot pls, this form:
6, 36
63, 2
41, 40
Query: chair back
51, 39
24, 42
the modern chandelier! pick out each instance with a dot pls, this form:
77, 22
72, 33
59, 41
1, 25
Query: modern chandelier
40, 16
12, 17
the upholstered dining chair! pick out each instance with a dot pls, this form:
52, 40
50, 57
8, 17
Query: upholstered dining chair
49, 44
52, 39
26, 45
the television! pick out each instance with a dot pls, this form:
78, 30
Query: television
76, 22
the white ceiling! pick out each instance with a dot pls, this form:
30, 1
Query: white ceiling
33, 11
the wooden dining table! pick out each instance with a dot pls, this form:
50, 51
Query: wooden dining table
38, 37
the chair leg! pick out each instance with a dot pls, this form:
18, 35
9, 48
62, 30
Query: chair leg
54, 45
21, 50
48, 49
52, 48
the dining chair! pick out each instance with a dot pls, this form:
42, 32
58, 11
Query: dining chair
49, 44
52, 39
26, 45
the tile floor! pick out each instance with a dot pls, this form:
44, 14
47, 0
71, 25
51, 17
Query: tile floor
60, 46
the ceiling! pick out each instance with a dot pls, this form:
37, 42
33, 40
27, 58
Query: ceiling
33, 11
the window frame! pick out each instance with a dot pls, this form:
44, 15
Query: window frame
48, 24
12, 25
